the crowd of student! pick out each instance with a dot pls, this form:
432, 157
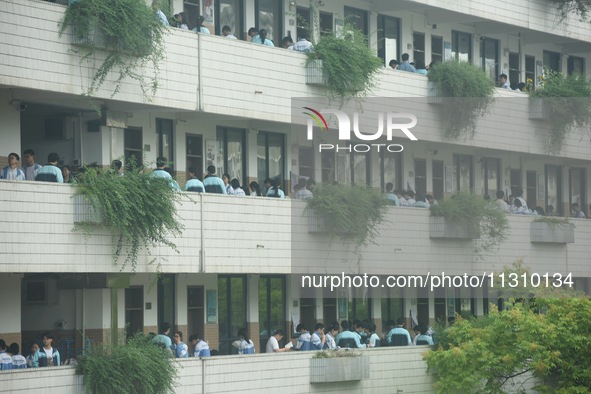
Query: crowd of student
46, 356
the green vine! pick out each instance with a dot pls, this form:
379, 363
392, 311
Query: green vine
554, 221
348, 63
127, 31
350, 212
140, 210
580, 8
467, 93
567, 100
139, 366
473, 211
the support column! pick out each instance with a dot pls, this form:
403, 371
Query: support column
10, 310
252, 310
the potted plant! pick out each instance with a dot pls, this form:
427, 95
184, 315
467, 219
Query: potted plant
343, 63
338, 366
564, 103
139, 209
468, 216
467, 94
349, 212
128, 31
548, 229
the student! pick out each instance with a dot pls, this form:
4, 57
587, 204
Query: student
227, 32
246, 346
5, 359
194, 184
318, 338
304, 340
34, 349
18, 361
287, 42
200, 28
47, 356
162, 338
201, 348
31, 169
273, 343
179, 348
11, 171
373, 338
50, 172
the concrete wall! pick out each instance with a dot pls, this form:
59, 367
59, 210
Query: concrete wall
391, 370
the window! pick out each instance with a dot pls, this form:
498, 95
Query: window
463, 172
232, 310
577, 188
191, 9
390, 169
418, 54
552, 60
328, 166
134, 310
167, 299
515, 181
353, 168
329, 307
531, 189
359, 309
421, 176
514, 72
438, 169
489, 57
272, 307
229, 13
392, 306
326, 23
388, 38
303, 22
165, 147
306, 161
530, 69
357, 18
269, 16
231, 147
436, 49
491, 169
553, 189
270, 157
195, 311
461, 46
133, 145
576, 65
195, 153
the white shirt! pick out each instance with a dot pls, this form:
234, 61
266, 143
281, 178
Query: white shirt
231, 36
49, 353
272, 345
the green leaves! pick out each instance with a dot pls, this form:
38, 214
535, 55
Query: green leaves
349, 63
471, 210
350, 212
127, 30
139, 208
568, 102
467, 93
139, 366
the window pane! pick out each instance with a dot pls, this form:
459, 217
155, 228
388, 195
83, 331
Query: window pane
389, 164
328, 166
418, 47
229, 15
490, 57
360, 170
438, 170
388, 28
357, 18
269, 18
421, 176
461, 47
326, 25
343, 168
436, 49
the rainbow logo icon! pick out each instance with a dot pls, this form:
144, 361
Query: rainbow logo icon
318, 118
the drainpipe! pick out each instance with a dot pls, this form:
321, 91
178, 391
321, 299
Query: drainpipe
201, 249
199, 74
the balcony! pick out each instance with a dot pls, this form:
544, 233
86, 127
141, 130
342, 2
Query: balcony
253, 235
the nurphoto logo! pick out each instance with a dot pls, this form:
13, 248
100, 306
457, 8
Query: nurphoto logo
393, 122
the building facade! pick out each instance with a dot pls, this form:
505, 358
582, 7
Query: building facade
231, 103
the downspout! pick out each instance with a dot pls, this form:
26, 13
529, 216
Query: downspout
201, 250
199, 73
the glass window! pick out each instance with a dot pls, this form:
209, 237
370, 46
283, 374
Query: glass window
438, 179
134, 310
577, 188
390, 169
269, 17
133, 146
530, 69
167, 299
195, 311
306, 161
229, 13
576, 65
271, 306
328, 166
552, 60
436, 49
359, 309
271, 157
303, 21
388, 30
514, 71
195, 153
326, 23
489, 57
392, 307
461, 46
421, 176
553, 189
165, 147
418, 54
191, 9
232, 310
357, 18
531, 186
463, 172
232, 150
491, 177
353, 168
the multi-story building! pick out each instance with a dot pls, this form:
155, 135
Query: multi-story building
229, 103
